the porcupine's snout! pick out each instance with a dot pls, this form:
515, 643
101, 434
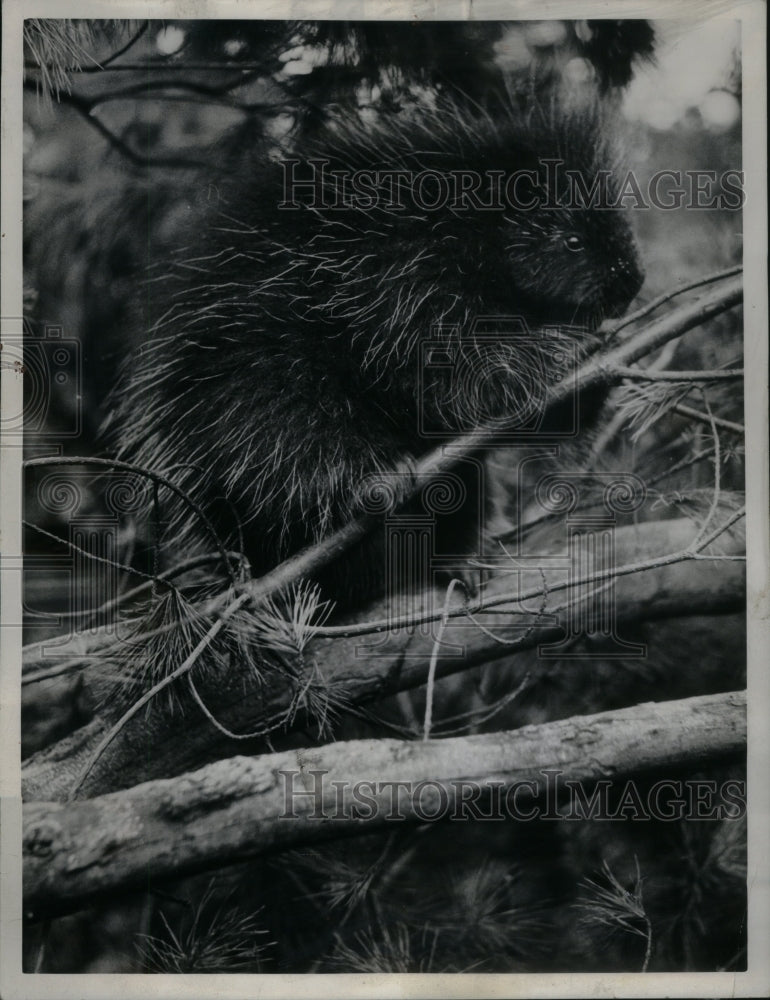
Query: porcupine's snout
624, 280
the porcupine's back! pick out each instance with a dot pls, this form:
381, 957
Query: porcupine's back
282, 363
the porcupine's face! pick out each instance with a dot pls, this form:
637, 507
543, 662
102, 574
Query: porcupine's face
557, 264
571, 265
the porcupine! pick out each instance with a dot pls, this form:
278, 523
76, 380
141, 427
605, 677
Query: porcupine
282, 368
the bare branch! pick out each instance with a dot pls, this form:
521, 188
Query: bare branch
85, 107
154, 477
697, 543
246, 806
613, 327
648, 375
703, 418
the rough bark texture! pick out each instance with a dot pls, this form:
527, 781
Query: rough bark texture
154, 744
246, 806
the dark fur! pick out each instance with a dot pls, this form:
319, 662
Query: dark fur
281, 367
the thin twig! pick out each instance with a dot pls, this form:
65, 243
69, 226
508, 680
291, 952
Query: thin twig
717, 479
643, 311
84, 108
431, 682
154, 477
113, 563
124, 598
99, 67
512, 597
726, 425
649, 375
479, 716
262, 731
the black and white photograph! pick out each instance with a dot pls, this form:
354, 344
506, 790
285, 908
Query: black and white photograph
384, 503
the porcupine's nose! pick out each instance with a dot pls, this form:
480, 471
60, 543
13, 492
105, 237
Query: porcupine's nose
626, 277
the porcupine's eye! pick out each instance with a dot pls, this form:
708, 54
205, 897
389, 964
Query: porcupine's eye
573, 243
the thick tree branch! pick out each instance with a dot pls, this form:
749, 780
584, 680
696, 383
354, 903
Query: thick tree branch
358, 670
247, 806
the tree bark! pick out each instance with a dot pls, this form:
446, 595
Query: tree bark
246, 806
155, 744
